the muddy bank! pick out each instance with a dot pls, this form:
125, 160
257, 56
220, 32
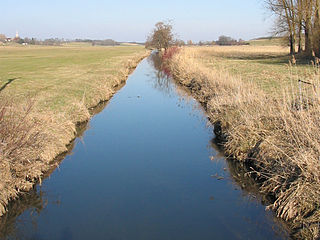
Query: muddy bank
46, 139
261, 134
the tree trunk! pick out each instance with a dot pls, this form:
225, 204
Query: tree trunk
292, 44
300, 37
308, 27
299, 22
316, 30
308, 40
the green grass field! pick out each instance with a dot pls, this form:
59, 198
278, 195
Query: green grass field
269, 42
58, 76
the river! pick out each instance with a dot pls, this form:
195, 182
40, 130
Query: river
145, 168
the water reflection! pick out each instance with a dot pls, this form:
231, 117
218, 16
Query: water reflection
34, 201
240, 178
12, 225
25, 210
162, 80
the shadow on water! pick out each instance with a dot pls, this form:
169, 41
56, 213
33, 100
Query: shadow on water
250, 188
35, 201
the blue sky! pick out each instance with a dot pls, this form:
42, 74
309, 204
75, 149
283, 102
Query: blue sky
125, 20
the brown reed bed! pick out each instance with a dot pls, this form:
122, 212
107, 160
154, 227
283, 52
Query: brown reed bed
276, 137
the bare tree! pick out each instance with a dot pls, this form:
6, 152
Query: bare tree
299, 19
299, 13
161, 37
285, 10
307, 12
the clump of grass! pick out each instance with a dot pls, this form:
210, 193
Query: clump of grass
276, 136
20, 138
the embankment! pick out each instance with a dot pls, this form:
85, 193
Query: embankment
277, 139
34, 132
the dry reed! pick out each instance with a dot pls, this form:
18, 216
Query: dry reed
276, 138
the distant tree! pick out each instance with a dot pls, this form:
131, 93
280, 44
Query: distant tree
106, 42
225, 40
179, 42
19, 40
3, 38
208, 43
161, 37
33, 41
190, 43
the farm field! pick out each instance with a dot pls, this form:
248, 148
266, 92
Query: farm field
58, 77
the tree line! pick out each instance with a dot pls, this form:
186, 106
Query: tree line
300, 20
56, 41
162, 37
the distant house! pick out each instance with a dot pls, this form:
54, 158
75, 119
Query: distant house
5, 39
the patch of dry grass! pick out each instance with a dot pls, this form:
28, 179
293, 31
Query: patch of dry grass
276, 136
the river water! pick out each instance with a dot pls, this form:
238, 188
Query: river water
146, 168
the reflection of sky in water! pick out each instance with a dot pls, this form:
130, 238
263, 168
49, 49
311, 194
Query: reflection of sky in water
143, 170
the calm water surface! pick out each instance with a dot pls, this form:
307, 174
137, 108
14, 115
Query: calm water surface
143, 170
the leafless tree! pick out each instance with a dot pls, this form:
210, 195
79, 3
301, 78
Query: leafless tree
161, 37
300, 20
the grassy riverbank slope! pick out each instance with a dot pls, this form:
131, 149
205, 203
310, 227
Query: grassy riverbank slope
44, 93
266, 119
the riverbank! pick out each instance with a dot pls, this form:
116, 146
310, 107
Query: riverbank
265, 119
141, 191
45, 93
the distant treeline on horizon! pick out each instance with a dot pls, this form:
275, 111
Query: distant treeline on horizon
222, 41
59, 41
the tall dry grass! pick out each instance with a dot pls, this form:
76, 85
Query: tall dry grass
276, 138
20, 138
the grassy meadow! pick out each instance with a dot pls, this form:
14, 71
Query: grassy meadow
270, 66
44, 93
57, 77
265, 119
